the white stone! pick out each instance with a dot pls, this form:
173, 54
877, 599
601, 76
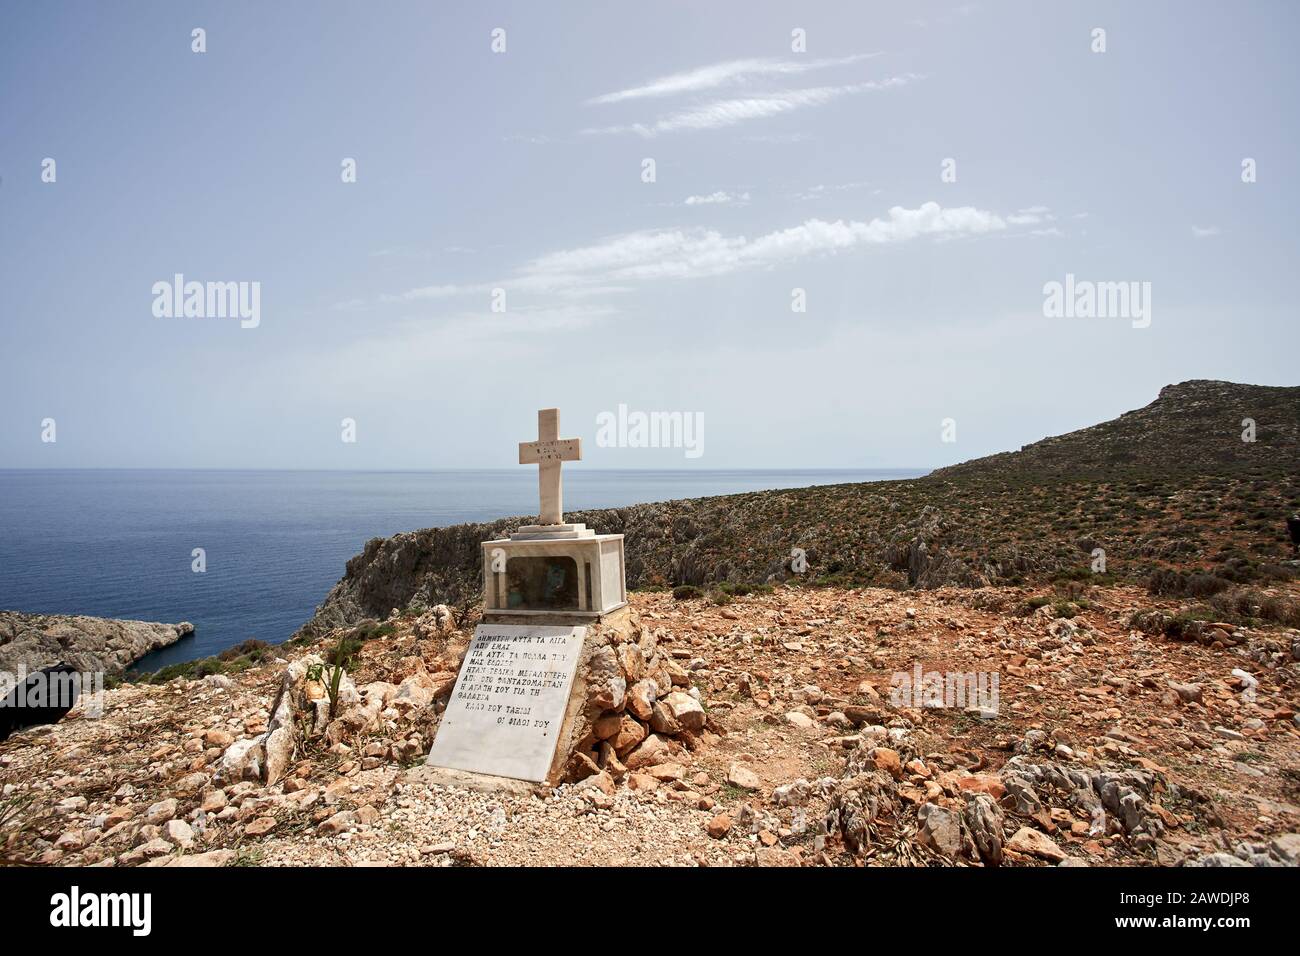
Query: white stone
507, 710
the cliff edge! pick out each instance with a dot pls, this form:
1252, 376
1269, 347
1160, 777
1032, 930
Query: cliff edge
89, 644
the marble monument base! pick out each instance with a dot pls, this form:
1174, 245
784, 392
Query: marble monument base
562, 573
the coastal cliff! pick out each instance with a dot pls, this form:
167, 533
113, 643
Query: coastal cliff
1177, 479
90, 644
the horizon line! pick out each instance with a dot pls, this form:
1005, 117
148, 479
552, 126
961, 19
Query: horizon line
358, 471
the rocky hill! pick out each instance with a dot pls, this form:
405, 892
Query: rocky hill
1169, 485
90, 644
1191, 428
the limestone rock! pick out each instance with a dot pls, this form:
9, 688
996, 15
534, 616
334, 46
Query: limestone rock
632, 662
89, 644
180, 833
719, 826
941, 830
984, 820
686, 710
209, 859
662, 720
607, 686
242, 761
654, 749
338, 823
641, 699
161, 812
607, 726
1035, 843
630, 733
741, 776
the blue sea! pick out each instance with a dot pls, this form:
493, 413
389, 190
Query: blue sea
118, 543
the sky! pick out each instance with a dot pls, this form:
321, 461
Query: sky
913, 174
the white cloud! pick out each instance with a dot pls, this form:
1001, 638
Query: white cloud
691, 253
430, 292
615, 263
821, 190
722, 74
1033, 215
1204, 232
720, 197
722, 113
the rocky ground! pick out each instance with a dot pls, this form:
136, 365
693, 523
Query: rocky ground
1106, 746
90, 644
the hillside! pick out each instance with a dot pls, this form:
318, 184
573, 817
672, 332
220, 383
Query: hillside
1168, 485
1191, 428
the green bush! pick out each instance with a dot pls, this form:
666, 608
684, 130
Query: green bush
369, 630
1183, 584
1066, 609
257, 650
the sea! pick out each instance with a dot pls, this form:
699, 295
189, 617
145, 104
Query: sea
125, 543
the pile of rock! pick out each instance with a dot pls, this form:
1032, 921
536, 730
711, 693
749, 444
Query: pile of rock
959, 815
641, 707
965, 816
304, 707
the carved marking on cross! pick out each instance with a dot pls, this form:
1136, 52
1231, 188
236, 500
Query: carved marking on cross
548, 452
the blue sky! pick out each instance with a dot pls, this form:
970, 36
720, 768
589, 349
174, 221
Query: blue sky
774, 170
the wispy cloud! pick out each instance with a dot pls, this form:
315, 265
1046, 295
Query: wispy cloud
1032, 216
616, 263
722, 113
723, 74
719, 198
824, 191
1204, 232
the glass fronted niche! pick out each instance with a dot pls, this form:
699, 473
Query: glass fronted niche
542, 584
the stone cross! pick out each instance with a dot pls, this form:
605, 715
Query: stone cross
548, 452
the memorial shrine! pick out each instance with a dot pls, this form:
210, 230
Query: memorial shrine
511, 711
552, 570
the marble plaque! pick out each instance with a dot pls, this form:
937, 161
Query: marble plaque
507, 709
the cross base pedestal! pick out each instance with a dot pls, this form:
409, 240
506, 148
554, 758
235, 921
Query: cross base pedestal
551, 532
574, 573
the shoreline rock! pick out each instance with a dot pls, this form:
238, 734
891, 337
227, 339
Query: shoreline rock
89, 644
